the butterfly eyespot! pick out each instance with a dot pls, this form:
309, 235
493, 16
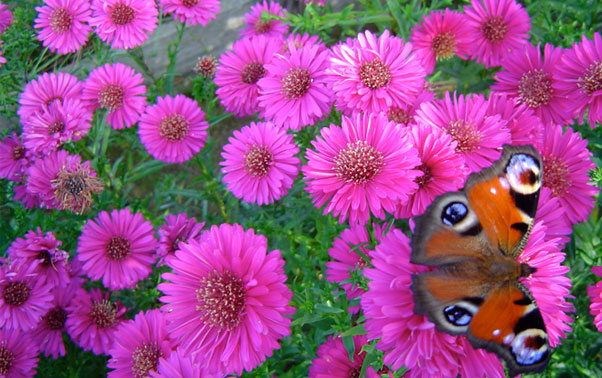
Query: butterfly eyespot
454, 213
457, 315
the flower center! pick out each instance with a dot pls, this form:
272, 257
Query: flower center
18, 152
358, 163
145, 358
261, 26
118, 248
190, 3
55, 319
174, 245
296, 83
427, 176
45, 256
557, 175
535, 88
221, 299
398, 115
444, 45
50, 100
104, 313
465, 134
57, 126
375, 74
111, 97
73, 190
206, 66
122, 14
592, 81
354, 373
60, 20
252, 72
174, 127
16, 293
494, 29
258, 161
6, 360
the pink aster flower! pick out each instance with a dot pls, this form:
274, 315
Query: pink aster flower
47, 88
525, 127
302, 41
94, 320
56, 124
176, 229
19, 354
362, 168
62, 181
443, 169
531, 77
119, 89
192, 12
595, 294
174, 129
63, 25
259, 163
258, 25
6, 17
580, 78
441, 35
566, 163
374, 74
227, 336
12, 158
26, 198
180, 365
49, 332
551, 213
53, 263
479, 137
139, 344
498, 28
240, 69
549, 284
25, 297
409, 339
348, 253
405, 114
117, 247
334, 361
294, 92
124, 24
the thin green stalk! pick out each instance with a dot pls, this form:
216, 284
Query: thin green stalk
172, 53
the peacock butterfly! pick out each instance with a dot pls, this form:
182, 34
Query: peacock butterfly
473, 238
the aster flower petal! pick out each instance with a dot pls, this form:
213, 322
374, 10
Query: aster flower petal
176, 229
23, 350
595, 294
63, 24
192, 12
257, 26
13, 159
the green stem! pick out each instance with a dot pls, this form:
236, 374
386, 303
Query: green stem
211, 187
172, 53
137, 56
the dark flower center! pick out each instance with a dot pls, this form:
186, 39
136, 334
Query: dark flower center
73, 190
494, 29
261, 26
444, 45
103, 313
427, 176
122, 14
221, 299
592, 80
6, 360
296, 83
465, 134
118, 248
190, 3
50, 100
111, 97
557, 175
252, 72
174, 245
16, 293
375, 74
535, 88
206, 66
57, 126
18, 152
145, 358
55, 319
358, 163
46, 257
60, 20
400, 116
258, 161
354, 373
174, 127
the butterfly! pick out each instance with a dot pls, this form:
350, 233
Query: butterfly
473, 238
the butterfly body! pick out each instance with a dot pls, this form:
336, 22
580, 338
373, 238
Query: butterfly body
472, 240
